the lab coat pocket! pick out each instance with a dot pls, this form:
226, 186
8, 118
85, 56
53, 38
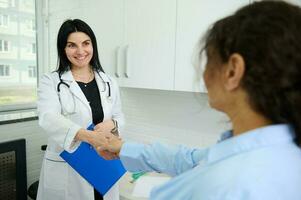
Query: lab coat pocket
55, 176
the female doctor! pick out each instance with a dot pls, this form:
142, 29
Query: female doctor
77, 94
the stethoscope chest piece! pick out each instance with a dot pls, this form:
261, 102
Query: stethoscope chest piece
109, 99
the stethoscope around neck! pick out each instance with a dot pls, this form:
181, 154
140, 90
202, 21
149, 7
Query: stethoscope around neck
106, 86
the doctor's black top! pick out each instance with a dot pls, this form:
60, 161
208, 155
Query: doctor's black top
93, 97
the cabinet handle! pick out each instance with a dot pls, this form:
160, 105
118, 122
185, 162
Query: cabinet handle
117, 74
127, 61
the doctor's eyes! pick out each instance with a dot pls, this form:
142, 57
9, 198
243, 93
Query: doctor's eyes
84, 44
70, 45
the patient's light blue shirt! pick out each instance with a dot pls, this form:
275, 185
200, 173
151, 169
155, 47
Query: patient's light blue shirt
262, 164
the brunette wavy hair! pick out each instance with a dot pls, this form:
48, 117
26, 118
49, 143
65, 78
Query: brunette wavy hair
267, 35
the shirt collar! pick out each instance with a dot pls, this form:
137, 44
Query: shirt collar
67, 76
254, 139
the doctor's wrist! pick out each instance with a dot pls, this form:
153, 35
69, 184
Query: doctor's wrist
83, 135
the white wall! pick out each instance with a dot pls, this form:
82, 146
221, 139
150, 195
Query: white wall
173, 117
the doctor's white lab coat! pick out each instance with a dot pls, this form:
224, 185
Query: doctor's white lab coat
61, 115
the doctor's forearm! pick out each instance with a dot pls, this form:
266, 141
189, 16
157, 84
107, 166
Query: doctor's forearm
84, 135
94, 138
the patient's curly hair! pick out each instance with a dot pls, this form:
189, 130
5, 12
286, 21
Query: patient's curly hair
267, 35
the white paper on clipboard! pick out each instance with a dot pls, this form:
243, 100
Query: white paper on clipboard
145, 184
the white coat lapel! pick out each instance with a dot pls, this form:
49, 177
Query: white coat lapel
74, 88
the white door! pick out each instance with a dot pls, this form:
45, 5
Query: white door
193, 19
149, 47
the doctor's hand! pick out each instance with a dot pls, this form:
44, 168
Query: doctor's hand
106, 144
105, 126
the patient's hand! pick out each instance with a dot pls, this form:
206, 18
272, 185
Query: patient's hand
106, 144
108, 155
111, 148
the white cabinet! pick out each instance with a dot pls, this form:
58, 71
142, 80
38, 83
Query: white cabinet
136, 40
144, 43
55, 13
106, 19
147, 53
193, 19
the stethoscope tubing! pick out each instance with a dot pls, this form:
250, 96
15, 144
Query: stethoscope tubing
67, 85
106, 84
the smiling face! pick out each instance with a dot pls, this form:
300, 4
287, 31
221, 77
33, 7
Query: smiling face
79, 50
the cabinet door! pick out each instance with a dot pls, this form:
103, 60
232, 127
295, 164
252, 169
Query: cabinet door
106, 19
149, 44
58, 12
193, 19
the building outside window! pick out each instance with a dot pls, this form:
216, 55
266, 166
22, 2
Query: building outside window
4, 3
12, 3
4, 46
33, 48
18, 55
32, 71
7, 3
31, 24
4, 70
4, 20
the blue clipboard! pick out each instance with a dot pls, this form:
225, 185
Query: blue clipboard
100, 173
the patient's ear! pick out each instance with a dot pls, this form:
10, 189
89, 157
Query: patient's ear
234, 72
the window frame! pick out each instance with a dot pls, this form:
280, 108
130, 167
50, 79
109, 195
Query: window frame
39, 42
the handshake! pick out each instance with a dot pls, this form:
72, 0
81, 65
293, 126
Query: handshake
106, 142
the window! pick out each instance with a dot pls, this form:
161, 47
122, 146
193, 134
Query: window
4, 70
32, 71
4, 3
18, 72
7, 3
32, 48
4, 46
4, 20
12, 3
27, 4
31, 25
